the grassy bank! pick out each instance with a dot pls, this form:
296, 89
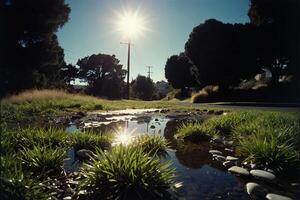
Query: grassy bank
36, 103
32, 166
269, 139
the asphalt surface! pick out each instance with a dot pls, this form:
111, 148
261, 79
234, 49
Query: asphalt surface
247, 106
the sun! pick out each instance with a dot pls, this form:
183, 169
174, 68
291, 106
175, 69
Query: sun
131, 24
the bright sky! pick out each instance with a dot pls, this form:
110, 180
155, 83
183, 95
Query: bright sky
93, 28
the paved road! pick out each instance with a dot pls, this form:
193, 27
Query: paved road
246, 106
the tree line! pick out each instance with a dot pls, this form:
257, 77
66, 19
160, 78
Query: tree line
230, 55
31, 56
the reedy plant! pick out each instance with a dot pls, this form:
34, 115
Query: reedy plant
126, 172
194, 132
91, 140
15, 185
42, 161
154, 144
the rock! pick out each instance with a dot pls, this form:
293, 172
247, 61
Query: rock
217, 139
165, 110
272, 196
84, 153
228, 143
263, 175
210, 112
152, 127
215, 152
256, 191
231, 158
218, 112
228, 164
229, 150
271, 171
253, 166
219, 157
239, 171
295, 185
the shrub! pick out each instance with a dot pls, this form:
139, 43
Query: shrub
153, 144
90, 140
194, 132
42, 161
126, 173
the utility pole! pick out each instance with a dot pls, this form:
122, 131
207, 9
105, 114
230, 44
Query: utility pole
128, 66
149, 71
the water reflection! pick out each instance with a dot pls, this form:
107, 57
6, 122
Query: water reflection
202, 178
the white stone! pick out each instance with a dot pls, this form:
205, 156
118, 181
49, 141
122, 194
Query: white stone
256, 191
263, 175
228, 164
272, 196
84, 153
231, 158
215, 152
239, 170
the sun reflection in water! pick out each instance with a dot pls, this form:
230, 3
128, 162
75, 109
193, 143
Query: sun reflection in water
123, 137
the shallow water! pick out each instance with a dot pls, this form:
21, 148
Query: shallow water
202, 177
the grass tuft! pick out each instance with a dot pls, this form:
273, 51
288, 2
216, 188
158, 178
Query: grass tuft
15, 185
152, 144
42, 161
195, 132
126, 173
269, 151
91, 140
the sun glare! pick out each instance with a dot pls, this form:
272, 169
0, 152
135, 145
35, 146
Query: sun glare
131, 24
123, 137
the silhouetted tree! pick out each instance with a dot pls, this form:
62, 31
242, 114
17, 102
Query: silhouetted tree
279, 22
69, 73
179, 73
223, 53
29, 50
103, 73
143, 88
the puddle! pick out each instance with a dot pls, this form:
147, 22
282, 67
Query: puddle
202, 177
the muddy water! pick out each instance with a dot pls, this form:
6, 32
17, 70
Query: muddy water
202, 177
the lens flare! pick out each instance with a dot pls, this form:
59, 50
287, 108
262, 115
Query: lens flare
123, 137
131, 24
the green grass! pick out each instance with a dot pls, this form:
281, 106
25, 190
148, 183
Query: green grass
152, 144
15, 185
195, 132
270, 139
17, 139
34, 104
42, 161
91, 140
126, 173
270, 151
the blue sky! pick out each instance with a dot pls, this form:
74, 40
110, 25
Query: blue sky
91, 29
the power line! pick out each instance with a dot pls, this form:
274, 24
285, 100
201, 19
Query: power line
149, 71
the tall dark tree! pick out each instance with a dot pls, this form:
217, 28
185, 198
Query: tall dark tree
103, 73
143, 88
223, 53
279, 21
179, 72
30, 53
69, 73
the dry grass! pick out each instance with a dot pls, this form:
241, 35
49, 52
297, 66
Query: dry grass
204, 93
38, 95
